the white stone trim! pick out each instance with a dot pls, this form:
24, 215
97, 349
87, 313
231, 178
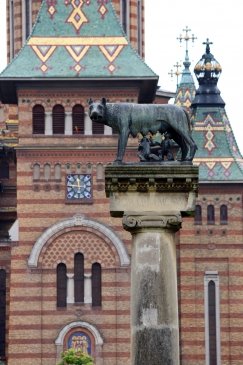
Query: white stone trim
212, 276
81, 221
93, 330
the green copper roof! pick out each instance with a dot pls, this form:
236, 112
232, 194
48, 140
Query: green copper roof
77, 39
186, 88
218, 154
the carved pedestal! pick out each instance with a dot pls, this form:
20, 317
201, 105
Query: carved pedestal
151, 198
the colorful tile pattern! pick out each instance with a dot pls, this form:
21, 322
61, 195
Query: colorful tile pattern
77, 38
218, 155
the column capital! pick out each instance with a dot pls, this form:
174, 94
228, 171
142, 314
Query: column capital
134, 221
70, 275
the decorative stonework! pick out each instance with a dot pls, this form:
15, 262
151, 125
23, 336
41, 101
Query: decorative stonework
151, 178
134, 221
63, 248
76, 221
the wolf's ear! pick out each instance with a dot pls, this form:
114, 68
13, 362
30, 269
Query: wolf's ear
89, 101
103, 101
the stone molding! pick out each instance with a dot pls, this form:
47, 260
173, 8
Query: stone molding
92, 329
171, 177
80, 221
133, 221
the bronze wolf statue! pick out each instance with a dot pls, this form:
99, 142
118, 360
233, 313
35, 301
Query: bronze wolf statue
129, 118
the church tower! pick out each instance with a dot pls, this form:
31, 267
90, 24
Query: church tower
70, 263
21, 15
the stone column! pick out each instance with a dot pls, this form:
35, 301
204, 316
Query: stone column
70, 288
48, 124
68, 123
154, 309
151, 199
87, 289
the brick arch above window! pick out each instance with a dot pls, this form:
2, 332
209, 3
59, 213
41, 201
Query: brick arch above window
78, 221
77, 325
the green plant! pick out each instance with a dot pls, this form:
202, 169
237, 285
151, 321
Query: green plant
75, 358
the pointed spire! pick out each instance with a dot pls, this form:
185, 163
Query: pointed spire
218, 154
186, 88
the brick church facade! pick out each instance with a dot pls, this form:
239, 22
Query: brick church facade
64, 262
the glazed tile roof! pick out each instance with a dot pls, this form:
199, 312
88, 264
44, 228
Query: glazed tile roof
185, 92
77, 39
218, 154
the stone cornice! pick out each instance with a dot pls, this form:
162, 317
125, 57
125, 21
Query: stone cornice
171, 177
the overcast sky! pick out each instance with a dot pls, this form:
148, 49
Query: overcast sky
220, 21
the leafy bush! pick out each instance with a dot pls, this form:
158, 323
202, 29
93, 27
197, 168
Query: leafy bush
75, 358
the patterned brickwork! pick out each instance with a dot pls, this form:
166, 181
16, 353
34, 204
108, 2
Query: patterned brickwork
217, 248
64, 248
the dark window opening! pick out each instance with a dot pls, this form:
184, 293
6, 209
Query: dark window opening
2, 313
139, 22
12, 48
96, 285
78, 119
198, 214
223, 214
58, 119
97, 128
210, 214
27, 18
124, 15
79, 278
4, 170
38, 119
61, 285
212, 323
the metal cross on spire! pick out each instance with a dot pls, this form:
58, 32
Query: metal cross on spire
177, 73
186, 37
207, 43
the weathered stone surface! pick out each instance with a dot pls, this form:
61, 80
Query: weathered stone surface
151, 199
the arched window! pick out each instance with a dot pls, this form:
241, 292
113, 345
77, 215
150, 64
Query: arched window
47, 171
78, 119
58, 119
198, 214
98, 128
26, 19
124, 15
212, 322
212, 317
4, 170
36, 171
100, 171
61, 285
2, 312
38, 119
58, 171
210, 214
79, 278
11, 28
96, 285
139, 23
223, 214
